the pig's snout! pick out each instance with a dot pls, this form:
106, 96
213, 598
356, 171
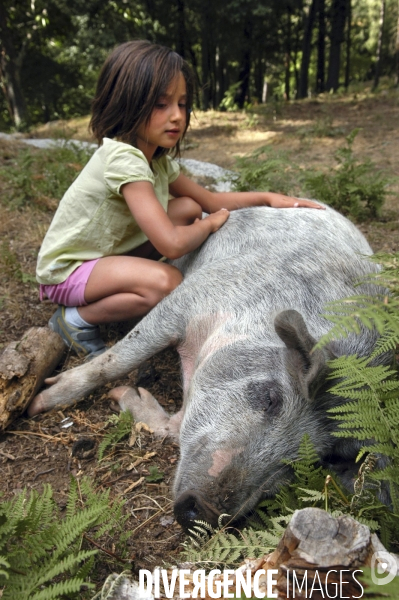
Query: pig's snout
191, 506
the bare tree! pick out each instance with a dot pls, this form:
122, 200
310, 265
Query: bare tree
10, 69
309, 17
348, 45
379, 45
338, 17
321, 47
397, 52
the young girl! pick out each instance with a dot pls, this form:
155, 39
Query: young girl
98, 260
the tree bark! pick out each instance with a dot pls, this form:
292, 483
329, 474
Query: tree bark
317, 547
295, 60
287, 62
397, 51
379, 45
10, 69
339, 10
259, 75
194, 64
348, 45
206, 50
181, 29
321, 48
245, 68
306, 50
24, 366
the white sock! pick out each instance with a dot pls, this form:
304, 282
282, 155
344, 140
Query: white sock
73, 317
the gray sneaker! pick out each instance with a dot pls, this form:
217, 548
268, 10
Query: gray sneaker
85, 341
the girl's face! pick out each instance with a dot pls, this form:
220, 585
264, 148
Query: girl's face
167, 122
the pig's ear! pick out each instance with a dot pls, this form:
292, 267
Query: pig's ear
309, 368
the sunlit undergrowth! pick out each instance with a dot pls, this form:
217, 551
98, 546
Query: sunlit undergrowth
354, 187
41, 176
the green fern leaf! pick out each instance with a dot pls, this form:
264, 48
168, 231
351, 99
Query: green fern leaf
122, 426
56, 567
57, 590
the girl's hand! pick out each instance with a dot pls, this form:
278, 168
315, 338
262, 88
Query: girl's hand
217, 219
281, 201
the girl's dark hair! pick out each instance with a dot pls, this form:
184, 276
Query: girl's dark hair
134, 76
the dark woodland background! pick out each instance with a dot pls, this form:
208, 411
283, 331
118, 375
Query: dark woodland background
243, 52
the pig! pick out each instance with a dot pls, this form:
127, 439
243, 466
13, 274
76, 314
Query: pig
245, 320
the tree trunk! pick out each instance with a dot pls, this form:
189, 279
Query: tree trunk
379, 46
245, 68
295, 61
259, 75
348, 45
181, 29
321, 48
24, 366
194, 64
339, 10
397, 51
287, 62
206, 56
213, 69
306, 50
10, 69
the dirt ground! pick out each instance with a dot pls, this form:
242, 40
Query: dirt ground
37, 451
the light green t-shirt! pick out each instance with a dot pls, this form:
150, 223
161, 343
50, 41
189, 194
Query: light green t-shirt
93, 219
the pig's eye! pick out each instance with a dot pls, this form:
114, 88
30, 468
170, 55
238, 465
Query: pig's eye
264, 396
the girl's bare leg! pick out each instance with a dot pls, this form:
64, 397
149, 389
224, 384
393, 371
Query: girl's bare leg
123, 287
184, 211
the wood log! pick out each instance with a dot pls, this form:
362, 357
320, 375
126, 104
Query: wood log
318, 557
319, 554
24, 366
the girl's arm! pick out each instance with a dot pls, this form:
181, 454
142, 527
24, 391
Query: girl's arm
213, 201
172, 241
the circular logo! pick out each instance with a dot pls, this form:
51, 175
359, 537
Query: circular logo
383, 567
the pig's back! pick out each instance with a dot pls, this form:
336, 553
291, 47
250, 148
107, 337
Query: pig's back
280, 234
266, 260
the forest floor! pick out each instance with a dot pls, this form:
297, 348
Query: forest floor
39, 450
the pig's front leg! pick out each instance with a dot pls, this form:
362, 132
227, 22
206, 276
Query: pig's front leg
144, 407
152, 334
71, 386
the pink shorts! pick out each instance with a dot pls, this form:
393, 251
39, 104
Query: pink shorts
70, 292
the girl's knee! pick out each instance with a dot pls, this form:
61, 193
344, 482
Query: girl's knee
169, 280
184, 211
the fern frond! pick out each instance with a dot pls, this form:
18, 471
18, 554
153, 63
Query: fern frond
54, 567
351, 314
74, 527
122, 426
40, 547
227, 549
260, 542
58, 590
6, 564
387, 342
375, 413
73, 498
84, 571
311, 495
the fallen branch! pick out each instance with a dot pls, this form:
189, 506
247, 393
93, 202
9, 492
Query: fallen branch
24, 366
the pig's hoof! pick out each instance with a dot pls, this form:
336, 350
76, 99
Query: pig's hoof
37, 406
117, 394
